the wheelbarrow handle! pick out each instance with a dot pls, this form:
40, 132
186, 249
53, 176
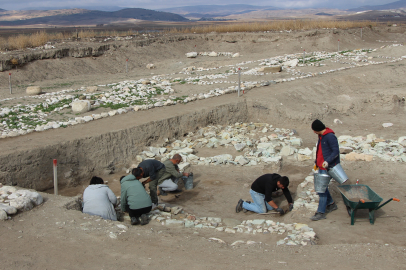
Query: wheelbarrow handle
394, 199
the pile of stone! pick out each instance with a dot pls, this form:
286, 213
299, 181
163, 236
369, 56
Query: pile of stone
258, 143
306, 196
366, 148
296, 233
13, 200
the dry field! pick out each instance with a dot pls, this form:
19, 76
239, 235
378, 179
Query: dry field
50, 236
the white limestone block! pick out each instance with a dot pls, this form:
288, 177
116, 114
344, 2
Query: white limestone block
80, 106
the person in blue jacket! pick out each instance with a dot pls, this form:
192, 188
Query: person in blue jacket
327, 156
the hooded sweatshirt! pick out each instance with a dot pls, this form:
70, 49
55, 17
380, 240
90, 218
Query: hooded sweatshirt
327, 149
98, 200
133, 194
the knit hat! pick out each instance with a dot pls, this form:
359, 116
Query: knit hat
317, 125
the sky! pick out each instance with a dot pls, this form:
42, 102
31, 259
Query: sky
159, 4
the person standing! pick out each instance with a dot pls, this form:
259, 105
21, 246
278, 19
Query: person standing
153, 169
261, 193
327, 156
134, 199
99, 200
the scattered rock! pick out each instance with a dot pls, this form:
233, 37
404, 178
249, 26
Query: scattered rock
33, 90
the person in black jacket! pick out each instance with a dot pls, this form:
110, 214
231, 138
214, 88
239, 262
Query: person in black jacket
261, 193
153, 169
327, 156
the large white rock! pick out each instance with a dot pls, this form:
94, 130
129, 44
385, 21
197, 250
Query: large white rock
213, 54
3, 215
80, 106
291, 63
8, 209
150, 66
7, 190
91, 89
191, 54
35, 197
22, 203
287, 150
33, 90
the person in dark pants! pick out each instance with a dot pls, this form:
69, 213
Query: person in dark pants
153, 169
261, 193
135, 200
327, 156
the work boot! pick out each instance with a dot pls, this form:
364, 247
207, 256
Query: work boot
135, 221
144, 219
176, 191
331, 207
238, 208
245, 210
162, 192
318, 216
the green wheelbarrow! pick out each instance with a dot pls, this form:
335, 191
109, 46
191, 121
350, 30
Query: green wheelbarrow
361, 197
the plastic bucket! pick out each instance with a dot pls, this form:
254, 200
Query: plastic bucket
321, 182
337, 172
188, 181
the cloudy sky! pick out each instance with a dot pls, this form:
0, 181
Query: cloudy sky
158, 4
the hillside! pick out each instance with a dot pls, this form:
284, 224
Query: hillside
96, 17
394, 5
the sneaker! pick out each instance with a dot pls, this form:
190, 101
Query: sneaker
318, 216
162, 192
238, 208
245, 210
144, 219
331, 207
135, 221
153, 206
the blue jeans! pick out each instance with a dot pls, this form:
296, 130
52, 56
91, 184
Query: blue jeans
258, 205
324, 198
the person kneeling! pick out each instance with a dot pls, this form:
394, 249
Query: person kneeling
168, 182
261, 193
134, 199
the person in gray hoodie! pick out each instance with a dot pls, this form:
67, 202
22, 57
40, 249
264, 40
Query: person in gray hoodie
134, 199
99, 200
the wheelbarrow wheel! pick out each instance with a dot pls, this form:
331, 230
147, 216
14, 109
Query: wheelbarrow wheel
349, 210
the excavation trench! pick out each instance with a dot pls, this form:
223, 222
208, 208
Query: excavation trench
105, 152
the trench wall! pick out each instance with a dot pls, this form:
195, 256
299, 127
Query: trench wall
106, 153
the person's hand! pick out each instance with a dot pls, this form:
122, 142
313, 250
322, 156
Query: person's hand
280, 211
290, 207
315, 167
186, 174
325, 164
144, 183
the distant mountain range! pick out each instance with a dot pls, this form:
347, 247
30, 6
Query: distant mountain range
114, 14
393, 5
97, 17
215, 10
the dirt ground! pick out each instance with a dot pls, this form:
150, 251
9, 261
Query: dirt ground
50, 236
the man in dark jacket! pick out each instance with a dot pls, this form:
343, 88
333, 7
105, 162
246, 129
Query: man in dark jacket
153, 169
327, 156
261, 193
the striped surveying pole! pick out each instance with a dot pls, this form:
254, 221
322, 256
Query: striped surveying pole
9, 83
126, 66
55, 178
239, 81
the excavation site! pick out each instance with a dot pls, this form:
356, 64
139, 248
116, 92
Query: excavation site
235, 106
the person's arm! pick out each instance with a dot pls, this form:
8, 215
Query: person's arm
123, 200
112, 197
172, 170
146, 181
335, 149
287, 194
273, 204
